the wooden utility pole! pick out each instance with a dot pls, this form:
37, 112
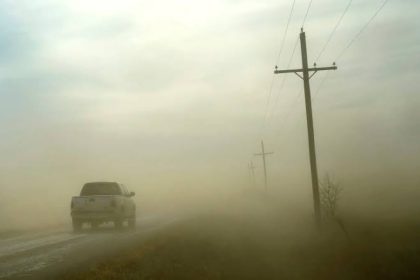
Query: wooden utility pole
311, 139
263, 153
251, 168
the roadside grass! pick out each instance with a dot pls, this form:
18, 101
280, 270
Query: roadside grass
253, 244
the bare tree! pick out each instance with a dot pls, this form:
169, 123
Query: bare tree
330, 193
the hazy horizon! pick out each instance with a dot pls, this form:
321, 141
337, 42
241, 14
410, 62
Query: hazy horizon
169, 97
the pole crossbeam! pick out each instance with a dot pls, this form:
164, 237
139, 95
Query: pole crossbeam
316, 69
306, 75
263, 154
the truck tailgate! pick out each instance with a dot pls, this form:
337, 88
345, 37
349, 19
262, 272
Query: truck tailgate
93, 203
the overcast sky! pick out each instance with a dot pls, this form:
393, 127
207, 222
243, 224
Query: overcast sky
151, 92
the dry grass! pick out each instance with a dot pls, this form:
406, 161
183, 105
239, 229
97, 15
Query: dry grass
261, 246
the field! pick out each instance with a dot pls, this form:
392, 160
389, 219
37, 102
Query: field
259, 243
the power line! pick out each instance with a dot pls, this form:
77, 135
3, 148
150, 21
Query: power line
285, 31
291, 57
267, 105
288, 65
283, 81
306, 14
270, 92
352, 41
320, 85
327, 76
320, 53
294, 49
299, 95
333, 31
361, 30
329, 40
267, 110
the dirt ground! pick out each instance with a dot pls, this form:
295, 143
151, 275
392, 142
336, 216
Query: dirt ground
259, 243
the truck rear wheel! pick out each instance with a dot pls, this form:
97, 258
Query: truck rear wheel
77, 225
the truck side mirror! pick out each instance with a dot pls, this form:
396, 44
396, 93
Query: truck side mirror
132, 193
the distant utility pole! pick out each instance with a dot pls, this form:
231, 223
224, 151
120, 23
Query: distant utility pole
305, 71
263, 153
251, 168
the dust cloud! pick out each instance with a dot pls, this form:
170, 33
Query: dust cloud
172, 104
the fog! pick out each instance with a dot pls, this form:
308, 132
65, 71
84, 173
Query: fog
170, 98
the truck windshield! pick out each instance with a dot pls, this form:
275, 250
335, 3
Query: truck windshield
100, 189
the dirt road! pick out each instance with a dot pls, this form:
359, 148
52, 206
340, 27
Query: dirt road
43, 254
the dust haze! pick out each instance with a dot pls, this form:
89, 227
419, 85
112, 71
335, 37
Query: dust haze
170, 99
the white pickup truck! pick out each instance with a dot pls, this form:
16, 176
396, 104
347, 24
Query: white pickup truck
101, 202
